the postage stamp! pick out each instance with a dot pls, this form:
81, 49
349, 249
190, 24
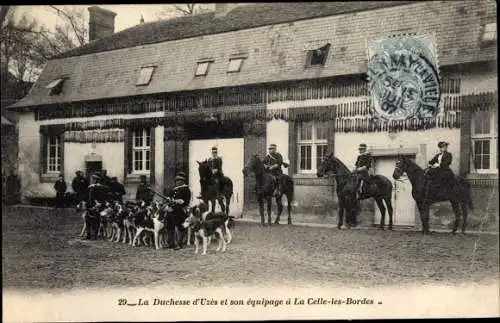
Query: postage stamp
403, 76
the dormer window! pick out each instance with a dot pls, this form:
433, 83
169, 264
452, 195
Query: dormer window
235, 64
317, 57
55, 87
202, 67
489, 34
145, 75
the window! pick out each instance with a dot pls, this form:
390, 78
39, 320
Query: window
311, 145
202, 69
55, 87
489, 33
141, 151
317, 57
145, 75
484, 137
54, 154
235, 64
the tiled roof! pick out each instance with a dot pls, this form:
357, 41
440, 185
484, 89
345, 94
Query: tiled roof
248, 16
274, 52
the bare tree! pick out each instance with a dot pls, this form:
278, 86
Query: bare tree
187, 9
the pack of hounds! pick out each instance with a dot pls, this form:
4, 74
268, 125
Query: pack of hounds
138, 222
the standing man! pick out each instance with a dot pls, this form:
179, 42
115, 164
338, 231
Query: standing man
98, 191
60, 187
80, 186
181, 195
144, 191
362, 166
117, 190
105, 180
272, 163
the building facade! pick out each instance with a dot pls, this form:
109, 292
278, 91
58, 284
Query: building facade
153, 99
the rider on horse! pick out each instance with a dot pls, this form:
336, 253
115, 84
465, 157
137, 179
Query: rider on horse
215, 164
439, 166
363, 164
273, 162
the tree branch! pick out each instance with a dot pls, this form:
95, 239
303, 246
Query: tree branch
76, 31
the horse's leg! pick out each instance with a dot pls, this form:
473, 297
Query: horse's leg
456, 210
341, 214
388, 204
289, 208
464, 216
221, 203
425, 218
381, 207
228, 202
261, 209
279, 204
269, 205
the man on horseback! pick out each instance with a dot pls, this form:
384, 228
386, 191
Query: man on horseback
272, 163
215, 164
439, 167
363, 164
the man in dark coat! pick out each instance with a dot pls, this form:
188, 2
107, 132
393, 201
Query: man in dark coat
177, 213
272, 163
60, 187
362, 167
144, 191
80, 186
13, 188
98, 191
117, 190
105, 180
439, 166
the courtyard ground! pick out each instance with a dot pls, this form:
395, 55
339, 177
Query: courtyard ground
42, 250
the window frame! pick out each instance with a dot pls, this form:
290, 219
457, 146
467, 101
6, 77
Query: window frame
56, 86
196, 72
143, 149
314, 143
58, 154
492, 137
485, 32
310, 55
143, 79
241, 59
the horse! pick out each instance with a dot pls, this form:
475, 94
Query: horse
265, 189
380, 189
209, 190
459, 193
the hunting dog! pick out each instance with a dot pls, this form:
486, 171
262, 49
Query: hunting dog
205, 224
201, 211
153, 221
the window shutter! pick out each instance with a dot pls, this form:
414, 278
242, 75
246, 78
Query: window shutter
465, 140
152, 155
43, 153
292, 146
128, 141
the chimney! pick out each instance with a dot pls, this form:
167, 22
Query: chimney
101, 23
222, 9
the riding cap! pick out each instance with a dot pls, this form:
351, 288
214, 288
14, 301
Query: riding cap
362, 146
214, 148
272, 146
96, 176
78, 172
180, 178
442, 144
181, 174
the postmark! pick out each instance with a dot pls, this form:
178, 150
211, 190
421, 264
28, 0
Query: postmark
403, 78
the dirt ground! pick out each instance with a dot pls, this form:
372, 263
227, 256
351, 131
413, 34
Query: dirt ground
42, 250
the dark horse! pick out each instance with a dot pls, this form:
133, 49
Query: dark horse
380, 189
265, 189
209, 190
458, 193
